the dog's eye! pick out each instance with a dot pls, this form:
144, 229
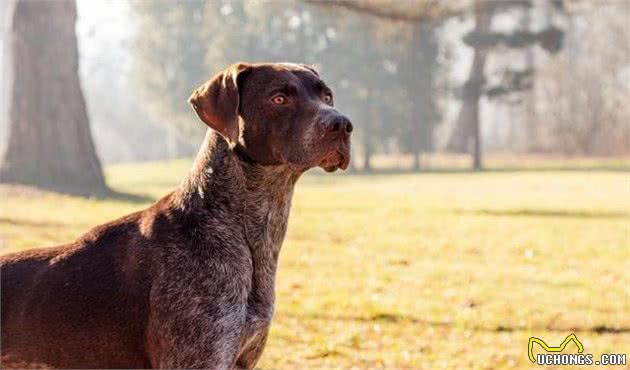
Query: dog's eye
328, 99
279, 99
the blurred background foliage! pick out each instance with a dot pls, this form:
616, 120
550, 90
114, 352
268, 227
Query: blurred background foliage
429, 84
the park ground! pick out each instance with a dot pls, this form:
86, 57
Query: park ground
434, 270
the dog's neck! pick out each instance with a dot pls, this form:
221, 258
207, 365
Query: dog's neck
233, 192
223, 179
255, 200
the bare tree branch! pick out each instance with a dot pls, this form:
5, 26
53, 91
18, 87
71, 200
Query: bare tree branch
407, 11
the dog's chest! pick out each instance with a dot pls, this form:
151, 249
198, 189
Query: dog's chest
266, 228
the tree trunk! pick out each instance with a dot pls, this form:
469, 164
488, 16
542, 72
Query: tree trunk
529, 98
417, 163
419, 73
468, 126
476, 134
367, 157
50, 144
411, 84
368, 144
6, 12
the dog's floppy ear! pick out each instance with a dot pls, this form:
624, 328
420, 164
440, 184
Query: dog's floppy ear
217, 102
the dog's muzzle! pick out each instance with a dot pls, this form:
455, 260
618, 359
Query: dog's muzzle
338, 129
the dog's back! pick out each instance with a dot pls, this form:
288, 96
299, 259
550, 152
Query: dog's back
82, 305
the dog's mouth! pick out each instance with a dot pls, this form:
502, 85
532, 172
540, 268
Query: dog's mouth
336, 159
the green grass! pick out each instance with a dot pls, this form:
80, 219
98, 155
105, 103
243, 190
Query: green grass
439, 270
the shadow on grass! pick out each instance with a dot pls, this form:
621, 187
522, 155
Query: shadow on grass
127, 197
533, 212
446, 170
107, 194
24, 190
389, 317
11, 221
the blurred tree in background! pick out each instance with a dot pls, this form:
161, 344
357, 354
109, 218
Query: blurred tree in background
168, 63
484, 40
421, 78
50, 143
585, 92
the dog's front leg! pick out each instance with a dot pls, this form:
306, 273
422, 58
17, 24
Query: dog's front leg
196, 321
252, 351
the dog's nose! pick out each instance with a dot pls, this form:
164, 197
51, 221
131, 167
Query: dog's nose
340, 124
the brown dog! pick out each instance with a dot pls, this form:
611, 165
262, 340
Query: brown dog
188, 282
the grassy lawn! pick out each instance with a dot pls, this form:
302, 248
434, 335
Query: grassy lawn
438, 270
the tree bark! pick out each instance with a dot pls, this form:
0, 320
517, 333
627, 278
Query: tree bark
418, 75
417, 163
396, 10
468, 126
482, 23
411, 84
368, 144
50, 144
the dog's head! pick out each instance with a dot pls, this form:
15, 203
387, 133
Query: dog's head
276, 113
